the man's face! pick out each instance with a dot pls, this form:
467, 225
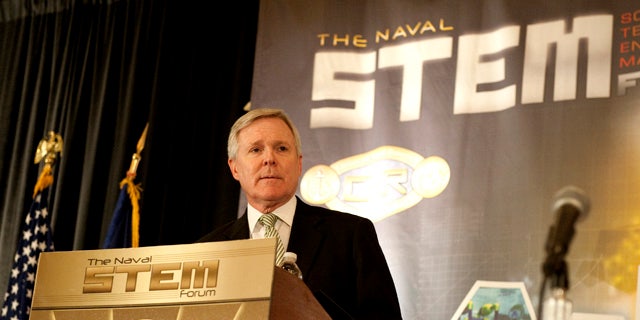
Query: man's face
267, 164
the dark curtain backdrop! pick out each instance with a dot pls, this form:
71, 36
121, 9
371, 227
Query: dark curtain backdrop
97, 72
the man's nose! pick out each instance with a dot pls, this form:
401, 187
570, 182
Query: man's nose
269, 157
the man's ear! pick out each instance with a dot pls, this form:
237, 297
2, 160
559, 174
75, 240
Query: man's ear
232, 167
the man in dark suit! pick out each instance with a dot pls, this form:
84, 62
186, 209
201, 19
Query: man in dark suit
339, 254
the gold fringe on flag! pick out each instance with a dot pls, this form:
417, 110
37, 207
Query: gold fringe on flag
44, 181
133, 190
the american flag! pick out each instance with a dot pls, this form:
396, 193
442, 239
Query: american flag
36, 237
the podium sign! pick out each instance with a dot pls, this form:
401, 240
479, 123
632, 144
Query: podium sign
222, 280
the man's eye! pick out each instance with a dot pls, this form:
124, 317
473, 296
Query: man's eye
254, 150
283, 148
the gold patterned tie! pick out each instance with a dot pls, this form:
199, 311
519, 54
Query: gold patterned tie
268, 220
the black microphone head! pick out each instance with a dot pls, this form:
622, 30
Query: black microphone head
574, 197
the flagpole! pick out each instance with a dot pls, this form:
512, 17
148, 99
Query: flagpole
134, 190
124, 227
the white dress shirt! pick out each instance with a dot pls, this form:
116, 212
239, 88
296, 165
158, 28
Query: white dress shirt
283, 225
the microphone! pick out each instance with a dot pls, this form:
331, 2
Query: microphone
570, 205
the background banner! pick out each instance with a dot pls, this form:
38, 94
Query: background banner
452, 124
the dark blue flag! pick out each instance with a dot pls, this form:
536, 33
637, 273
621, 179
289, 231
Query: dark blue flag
119, 234
36, 237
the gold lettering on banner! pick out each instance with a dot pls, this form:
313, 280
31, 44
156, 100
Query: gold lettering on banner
335, 40
384, 35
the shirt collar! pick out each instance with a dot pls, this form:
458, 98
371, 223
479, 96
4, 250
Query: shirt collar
285, 213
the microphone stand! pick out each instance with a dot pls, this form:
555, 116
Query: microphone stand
557, 306
569, 206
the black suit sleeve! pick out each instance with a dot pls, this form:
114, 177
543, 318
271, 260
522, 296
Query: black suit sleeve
377, 296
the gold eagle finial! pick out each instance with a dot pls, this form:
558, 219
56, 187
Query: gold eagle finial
48, 148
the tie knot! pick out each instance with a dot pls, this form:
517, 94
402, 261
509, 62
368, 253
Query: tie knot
268, 219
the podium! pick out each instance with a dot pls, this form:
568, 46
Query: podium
215, 280
292, 299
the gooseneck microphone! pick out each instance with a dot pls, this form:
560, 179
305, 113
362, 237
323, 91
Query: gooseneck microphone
570, 205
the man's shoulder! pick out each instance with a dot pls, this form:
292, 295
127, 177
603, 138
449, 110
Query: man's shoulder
222, 232
327, 213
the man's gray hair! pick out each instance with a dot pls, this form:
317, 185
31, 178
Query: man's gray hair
253, 115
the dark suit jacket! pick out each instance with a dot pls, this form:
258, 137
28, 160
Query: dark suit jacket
341, 260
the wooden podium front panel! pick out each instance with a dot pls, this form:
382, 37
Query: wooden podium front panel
224, 280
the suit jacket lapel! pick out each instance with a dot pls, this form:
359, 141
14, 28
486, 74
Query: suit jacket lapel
239, 229
307, 235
